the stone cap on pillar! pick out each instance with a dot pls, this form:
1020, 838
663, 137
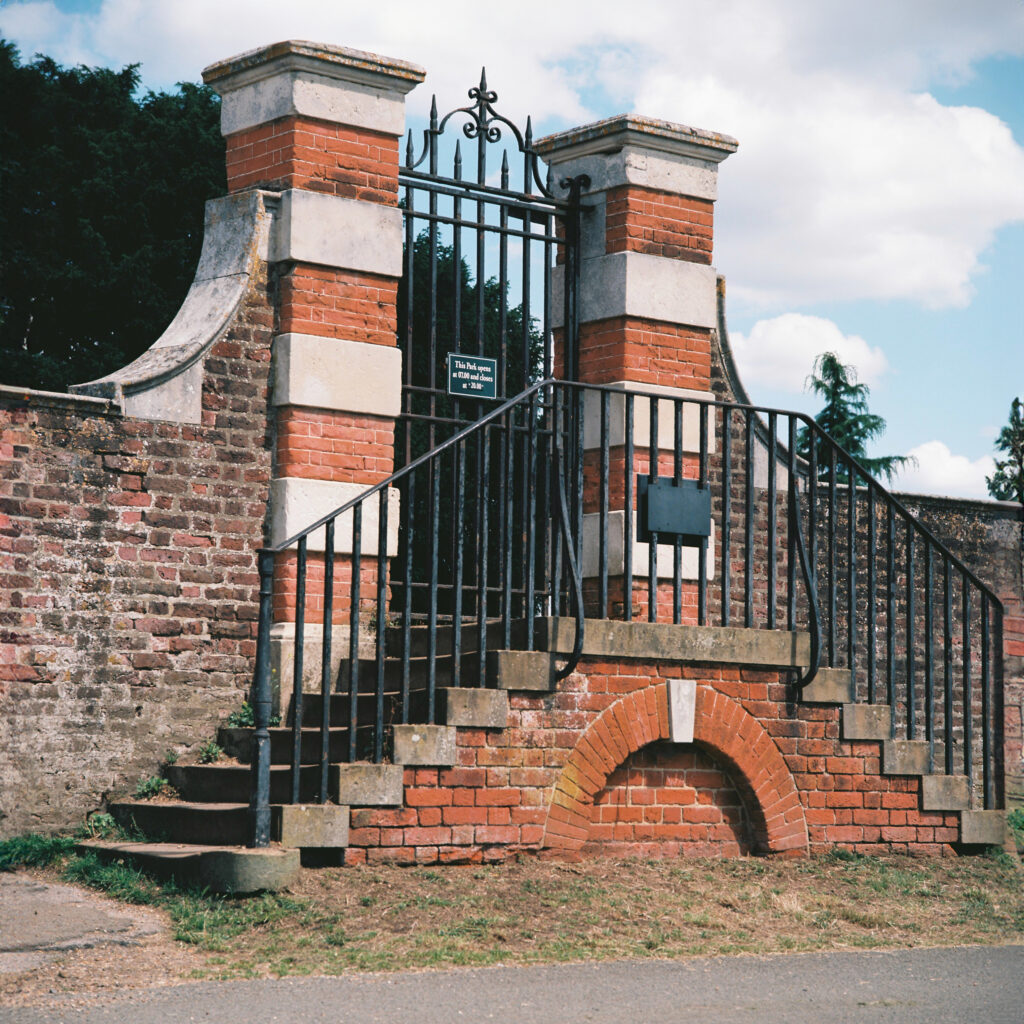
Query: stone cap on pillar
299, 78
632, 150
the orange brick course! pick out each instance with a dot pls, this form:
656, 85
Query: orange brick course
337, 304
659, 223
299, 152
318, 444
645, 352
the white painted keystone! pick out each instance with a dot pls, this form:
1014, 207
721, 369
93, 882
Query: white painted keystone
682, 707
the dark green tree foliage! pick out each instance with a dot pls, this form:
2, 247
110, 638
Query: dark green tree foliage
101, 214
845, 418
1007, 482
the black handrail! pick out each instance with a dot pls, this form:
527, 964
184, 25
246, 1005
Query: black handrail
514, 556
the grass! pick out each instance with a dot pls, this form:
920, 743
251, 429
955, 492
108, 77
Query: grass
337, 920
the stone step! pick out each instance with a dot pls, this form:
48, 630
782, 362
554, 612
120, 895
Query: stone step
238, 743
231, 783
419, 638
905, 757
984, 828
945, 793
218, 868
829, 686
866, 722
227, 824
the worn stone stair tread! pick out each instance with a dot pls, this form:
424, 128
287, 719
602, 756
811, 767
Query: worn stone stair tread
227, 869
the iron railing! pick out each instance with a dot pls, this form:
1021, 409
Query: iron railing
543, 508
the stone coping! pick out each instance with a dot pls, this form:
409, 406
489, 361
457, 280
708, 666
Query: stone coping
340, 62
613, 133
59, 400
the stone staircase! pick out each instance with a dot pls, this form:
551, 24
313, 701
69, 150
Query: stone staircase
211, 817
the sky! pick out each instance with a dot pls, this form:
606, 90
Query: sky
875, 207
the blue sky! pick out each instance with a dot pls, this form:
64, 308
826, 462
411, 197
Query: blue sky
875, 205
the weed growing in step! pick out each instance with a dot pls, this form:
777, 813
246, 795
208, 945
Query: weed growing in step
155, 785
209, 753
245, 718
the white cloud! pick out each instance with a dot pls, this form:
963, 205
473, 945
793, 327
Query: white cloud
780, 352
851, 182
940, 471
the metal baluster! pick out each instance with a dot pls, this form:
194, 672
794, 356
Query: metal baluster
851, 576
911, 634
872, 609
890, 614
505, 495
325, 663
353, 637
677, 546
603, 489
702, 551
298, 667
531, 519
410, 540
382, 621
791, 527
435, 507
259, 795
432, 299
929, 657
832, 589
986, 709
965, 612
748, 521
772, 515
485, 498
726, 510
652, 544
460, 540
627, 553
410, 261
947, 639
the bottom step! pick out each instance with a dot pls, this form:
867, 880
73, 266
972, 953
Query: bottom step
227, 869
227, 824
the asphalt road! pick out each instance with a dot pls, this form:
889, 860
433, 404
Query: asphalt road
958, 986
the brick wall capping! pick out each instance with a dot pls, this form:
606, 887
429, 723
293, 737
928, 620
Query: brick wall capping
165, 382
614, 133
662, 641
338, 62
87, 405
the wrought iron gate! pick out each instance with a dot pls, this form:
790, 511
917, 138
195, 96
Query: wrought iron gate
479, 256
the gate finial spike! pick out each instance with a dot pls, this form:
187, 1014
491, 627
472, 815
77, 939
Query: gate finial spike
504, 168
483, 82
433, 112
409, 150
529, 132
458, 159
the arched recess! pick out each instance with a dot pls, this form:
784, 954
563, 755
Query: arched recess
720, 723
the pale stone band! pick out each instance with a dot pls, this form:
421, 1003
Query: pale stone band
342, 376
296, 502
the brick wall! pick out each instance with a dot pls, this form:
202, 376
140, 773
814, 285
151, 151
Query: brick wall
764, 774
128, 582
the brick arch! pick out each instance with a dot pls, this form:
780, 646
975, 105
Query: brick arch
720, 724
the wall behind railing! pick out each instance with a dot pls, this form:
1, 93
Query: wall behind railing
128, 583
985, 535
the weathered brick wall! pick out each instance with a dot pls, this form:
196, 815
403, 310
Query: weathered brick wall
128, 584
986, 535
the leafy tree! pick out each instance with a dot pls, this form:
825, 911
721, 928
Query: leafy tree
845, 418
101, 214
1007, 482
